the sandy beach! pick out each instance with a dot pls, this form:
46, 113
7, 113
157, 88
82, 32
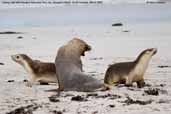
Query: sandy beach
110, 44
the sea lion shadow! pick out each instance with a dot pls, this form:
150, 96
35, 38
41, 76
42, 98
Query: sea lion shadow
51, 90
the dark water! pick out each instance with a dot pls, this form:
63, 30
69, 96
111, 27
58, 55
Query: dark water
85, 15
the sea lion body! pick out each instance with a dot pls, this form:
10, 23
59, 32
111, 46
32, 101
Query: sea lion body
73, 79
129, 72
69, 68
43, 72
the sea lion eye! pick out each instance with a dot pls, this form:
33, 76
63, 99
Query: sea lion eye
17, 57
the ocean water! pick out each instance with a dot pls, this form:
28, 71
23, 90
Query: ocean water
85, 15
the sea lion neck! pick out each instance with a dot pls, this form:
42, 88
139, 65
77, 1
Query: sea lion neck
69, 53
28, 64
142, 58
142, 62
139, 57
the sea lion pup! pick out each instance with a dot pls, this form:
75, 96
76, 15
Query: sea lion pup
41, 72
129, 72
69, 68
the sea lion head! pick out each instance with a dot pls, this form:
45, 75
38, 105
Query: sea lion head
20, 58
150, 51
147, 54
80, 45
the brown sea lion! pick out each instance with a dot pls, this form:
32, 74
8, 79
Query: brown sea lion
129, 72
69, 68
42, 72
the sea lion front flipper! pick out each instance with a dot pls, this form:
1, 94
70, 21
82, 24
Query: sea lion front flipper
30, 84
105, 87
115, 83
128, 82
141, 83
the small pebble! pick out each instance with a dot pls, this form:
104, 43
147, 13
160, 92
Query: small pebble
112, 106
10, 80
1, 63
54, 99
117, 24
78, 98
19, 37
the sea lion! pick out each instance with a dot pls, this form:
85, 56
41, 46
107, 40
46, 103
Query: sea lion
42, 72
129, 72
69, 68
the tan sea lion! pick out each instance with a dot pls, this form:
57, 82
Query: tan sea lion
42, 72
69, 68
129, 72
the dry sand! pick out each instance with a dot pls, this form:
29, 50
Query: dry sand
110, 45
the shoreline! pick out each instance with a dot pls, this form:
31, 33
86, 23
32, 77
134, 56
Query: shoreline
85, 15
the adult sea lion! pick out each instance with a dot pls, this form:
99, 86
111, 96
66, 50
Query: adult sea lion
69, 68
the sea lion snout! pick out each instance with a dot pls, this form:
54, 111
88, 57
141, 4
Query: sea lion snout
15, 57
18, 58
154, 51
86, 48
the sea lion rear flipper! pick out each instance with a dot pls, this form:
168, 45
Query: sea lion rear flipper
141, 83
105, 87
96, 85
